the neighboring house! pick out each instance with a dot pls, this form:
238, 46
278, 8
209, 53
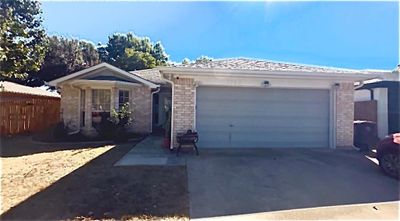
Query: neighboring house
378, 100
23, 108
230, 102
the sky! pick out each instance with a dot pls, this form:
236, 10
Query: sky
358, 35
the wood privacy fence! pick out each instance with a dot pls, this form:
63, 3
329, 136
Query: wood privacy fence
25, 113
366, 110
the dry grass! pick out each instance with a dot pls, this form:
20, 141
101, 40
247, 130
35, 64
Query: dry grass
24, 176
79, 182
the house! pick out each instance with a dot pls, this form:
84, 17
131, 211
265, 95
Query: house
231, 102
378, 100
89, 95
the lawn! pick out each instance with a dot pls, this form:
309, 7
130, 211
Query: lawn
79, 182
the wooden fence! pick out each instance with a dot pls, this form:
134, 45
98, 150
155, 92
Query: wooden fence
366, 110
24, 113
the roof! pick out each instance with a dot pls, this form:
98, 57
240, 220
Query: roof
6, 86
102, 65
152, 75
380, 84
262, 65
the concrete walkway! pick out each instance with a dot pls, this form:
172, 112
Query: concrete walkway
151, 153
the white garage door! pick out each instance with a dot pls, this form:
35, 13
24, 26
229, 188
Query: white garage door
262, 117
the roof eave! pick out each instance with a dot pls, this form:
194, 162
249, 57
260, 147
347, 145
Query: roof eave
58, 81
266, 73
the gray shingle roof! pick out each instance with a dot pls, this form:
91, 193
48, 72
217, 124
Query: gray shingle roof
262, 65
151, 75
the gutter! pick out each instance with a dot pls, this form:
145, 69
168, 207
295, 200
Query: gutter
360, 85
265, 73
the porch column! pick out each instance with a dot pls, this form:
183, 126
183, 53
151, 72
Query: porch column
114, 98
88, 129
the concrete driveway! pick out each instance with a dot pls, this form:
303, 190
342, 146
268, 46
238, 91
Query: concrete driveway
237, 182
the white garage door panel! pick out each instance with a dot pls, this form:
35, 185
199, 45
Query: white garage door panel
259, 117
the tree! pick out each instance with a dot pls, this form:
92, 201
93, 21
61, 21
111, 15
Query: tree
159, 54
65, 56
89, 53
130, 52
102, 51
186, 61
203, 59
137, 60
23, 40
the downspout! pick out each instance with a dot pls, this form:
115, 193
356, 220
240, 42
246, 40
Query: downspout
334, 132
171, 145
151, 101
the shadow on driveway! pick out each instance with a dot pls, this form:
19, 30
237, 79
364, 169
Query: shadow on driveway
231, 182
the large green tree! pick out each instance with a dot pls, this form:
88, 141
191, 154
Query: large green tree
130, 52
65, 56
22, 38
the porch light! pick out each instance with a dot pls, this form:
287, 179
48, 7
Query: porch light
265, 84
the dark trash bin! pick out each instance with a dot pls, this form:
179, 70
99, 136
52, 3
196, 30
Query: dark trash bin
365, 134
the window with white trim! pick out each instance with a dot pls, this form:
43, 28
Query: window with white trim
123, 98
101, 100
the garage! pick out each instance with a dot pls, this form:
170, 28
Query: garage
240, 117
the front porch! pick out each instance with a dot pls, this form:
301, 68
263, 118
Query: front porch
96, 100
89, 96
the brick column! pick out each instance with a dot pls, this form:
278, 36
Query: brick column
88, 129
183, 105
70, 107
344, 115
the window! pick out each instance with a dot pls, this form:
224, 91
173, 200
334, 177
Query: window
101, 100
123, 98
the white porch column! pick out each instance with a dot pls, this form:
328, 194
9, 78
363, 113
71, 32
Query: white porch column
114, 98
88, 129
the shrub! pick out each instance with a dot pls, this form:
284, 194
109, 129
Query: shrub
106, 128
60, 131
121, 119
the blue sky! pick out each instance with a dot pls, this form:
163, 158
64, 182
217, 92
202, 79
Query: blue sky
344, 34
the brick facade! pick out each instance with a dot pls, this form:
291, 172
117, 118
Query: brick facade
184, 110
184, 106
344, 115
70, 107
140, 101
